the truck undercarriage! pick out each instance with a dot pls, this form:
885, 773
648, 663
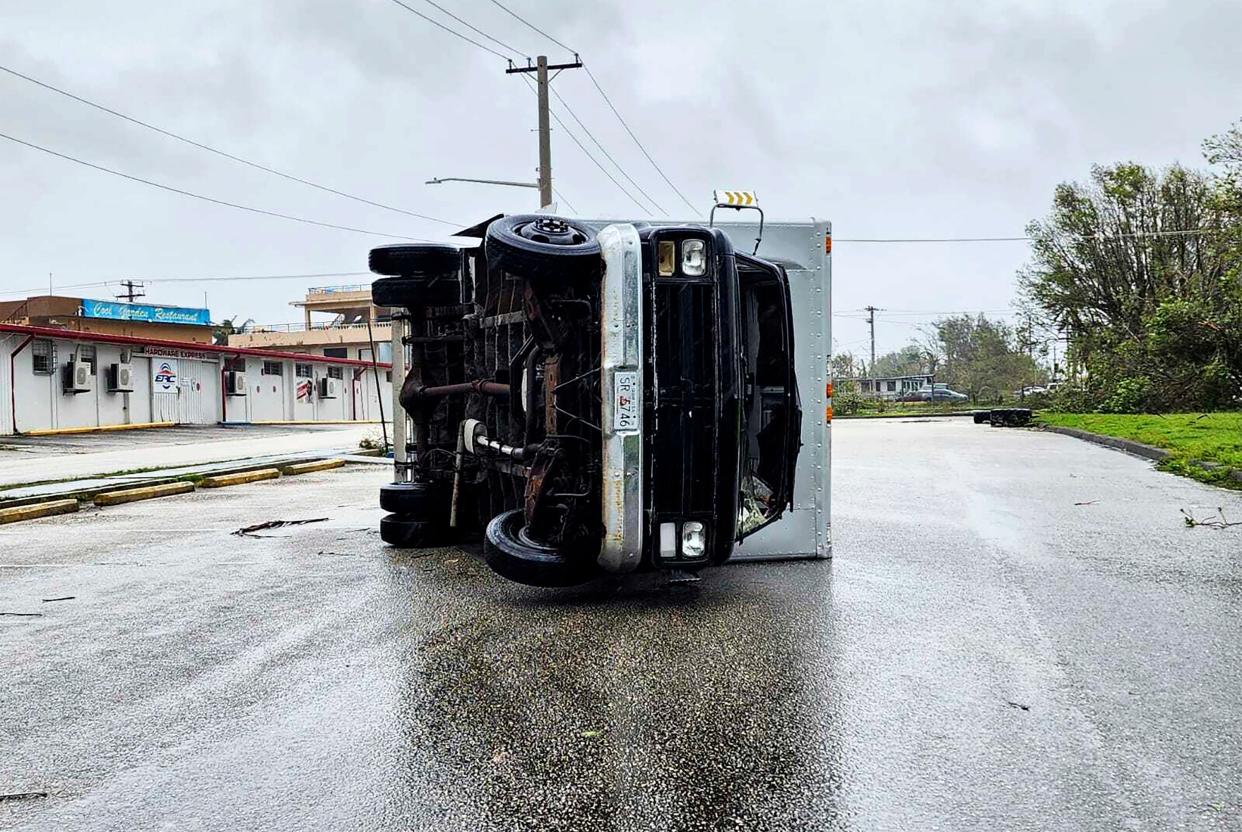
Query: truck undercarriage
516, 397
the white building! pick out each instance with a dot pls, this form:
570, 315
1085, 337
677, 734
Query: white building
55, 379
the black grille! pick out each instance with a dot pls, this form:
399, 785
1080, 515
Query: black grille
683, 432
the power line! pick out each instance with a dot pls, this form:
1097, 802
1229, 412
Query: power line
478, 31
530, 25
562, 198
1135, 235
591, 136
212, 200
607, 100
596, 162
206, 279
222, 153
454, 32
658, 169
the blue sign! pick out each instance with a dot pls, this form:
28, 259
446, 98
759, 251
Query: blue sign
142, 312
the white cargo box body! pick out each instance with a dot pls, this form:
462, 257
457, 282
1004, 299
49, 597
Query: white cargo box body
802, 248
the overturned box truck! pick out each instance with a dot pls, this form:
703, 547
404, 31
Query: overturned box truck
596, 397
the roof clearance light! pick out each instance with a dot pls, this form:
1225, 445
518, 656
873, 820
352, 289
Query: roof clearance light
736, 199
667, 258
694, 258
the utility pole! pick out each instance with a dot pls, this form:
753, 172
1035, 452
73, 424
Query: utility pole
871, 310
542, 80
131, 294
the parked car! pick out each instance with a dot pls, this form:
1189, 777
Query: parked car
1033, 390
937, 393
592, 401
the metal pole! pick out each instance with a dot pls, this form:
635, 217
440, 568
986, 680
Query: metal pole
400, 420
545, 134
379, 397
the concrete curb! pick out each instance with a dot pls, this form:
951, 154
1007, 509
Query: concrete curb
45, 509
240, 479
146, 492
1128, 445
311, 467
96, 429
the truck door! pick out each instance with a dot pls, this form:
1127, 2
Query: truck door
772, 409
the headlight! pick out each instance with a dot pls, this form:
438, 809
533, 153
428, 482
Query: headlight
667, 258
693, 539
694, 258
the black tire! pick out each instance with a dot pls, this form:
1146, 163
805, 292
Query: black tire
404, 260
982, 416
534, 246
514, 556
405, 533
416, 290
416, 501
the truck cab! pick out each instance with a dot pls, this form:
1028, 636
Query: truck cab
591, 398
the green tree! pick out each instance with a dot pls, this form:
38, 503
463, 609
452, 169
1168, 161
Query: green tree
220, 332
1141, 268
982, 358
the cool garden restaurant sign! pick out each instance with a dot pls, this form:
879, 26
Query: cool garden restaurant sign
142, 312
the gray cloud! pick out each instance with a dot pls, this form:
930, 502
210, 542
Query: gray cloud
890, 118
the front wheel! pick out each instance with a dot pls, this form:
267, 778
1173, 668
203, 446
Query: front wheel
511, 553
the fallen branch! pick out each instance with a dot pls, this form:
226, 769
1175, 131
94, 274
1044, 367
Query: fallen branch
249, 531
23, 614
1217, 522
22, 795
62, 598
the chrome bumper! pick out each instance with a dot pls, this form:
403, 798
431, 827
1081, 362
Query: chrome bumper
621, 366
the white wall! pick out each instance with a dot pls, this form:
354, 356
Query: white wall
41, 402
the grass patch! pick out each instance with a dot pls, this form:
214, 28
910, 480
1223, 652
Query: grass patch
1188, 437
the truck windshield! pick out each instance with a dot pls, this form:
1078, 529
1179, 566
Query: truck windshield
771, 411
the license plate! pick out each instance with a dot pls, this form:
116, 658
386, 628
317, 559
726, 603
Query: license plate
625, 413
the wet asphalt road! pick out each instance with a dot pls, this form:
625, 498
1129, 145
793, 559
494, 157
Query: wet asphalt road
982, 653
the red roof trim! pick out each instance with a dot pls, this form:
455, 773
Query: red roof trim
104, 338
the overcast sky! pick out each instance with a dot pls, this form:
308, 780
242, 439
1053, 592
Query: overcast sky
891, 119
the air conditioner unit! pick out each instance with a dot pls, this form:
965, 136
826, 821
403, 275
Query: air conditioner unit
78, 377
329, 388
121, 378
235, 383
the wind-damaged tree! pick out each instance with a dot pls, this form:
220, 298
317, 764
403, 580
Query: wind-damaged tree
1141, 270
982, 358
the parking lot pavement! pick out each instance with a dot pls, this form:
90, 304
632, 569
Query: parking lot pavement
26, 459
1018, 631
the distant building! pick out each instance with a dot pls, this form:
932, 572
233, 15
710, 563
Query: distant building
344, 335
53, 378
892, 387
109, 317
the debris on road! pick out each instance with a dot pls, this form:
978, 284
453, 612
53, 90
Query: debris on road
249, 531
1087, 503
1013, 704
1217, 522
22, 795
62, 598
23, 614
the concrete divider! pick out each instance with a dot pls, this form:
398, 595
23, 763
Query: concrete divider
311, 467
241, 478
146, 492
46, 509
97, 429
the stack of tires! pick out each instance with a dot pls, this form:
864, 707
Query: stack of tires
417, 514
415, 277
